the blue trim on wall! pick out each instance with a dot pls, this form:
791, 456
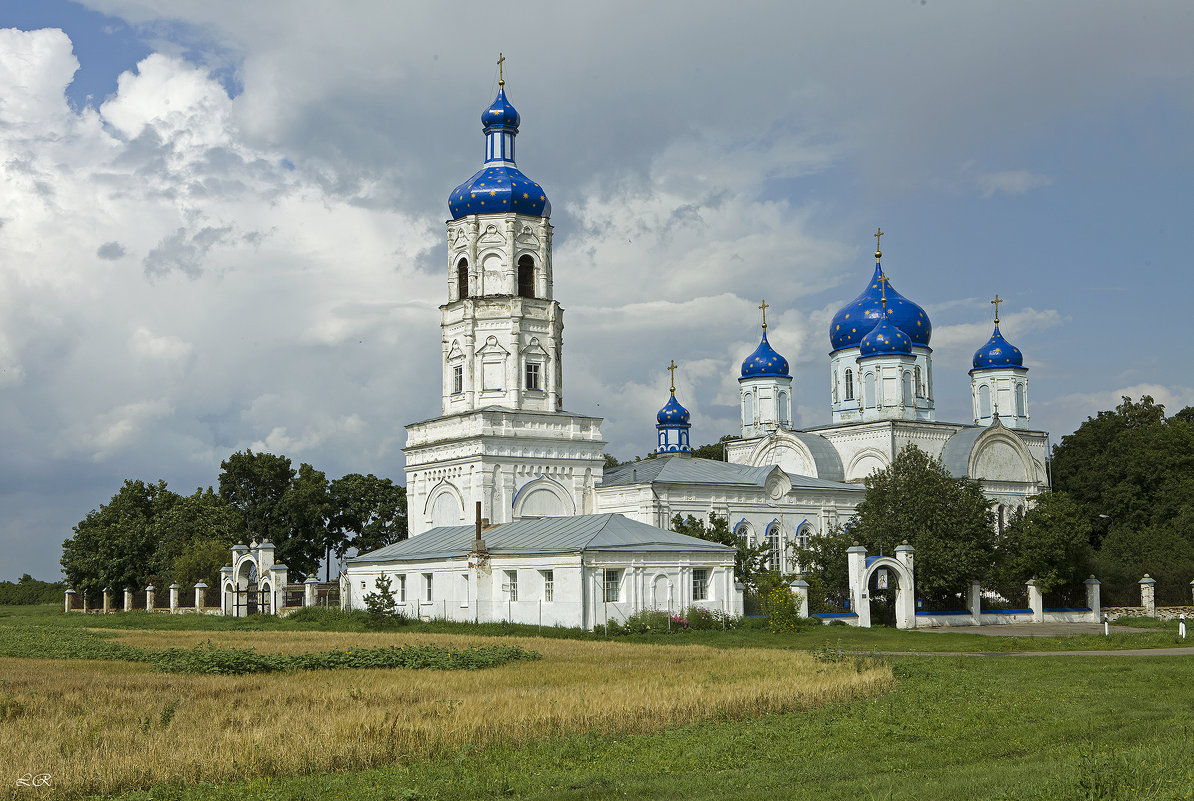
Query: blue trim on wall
1070, 609
950, 612
1006, 611
833, 614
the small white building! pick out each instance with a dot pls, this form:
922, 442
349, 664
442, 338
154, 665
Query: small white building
570, 571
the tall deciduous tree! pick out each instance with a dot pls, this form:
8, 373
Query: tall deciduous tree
1130, 469
305, 511
947, 519
203, 520
114, 545
255, 484
1050, 543
367, 513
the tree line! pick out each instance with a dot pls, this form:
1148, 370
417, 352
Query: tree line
148, 534
1122, 505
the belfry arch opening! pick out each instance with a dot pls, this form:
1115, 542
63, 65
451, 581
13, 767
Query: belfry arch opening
462, 279
526, 277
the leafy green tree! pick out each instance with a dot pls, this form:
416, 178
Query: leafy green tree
201, 518
200, 561
367, 513
305, 509
946, 519
1131, 468
28, 590
114, 545
1050, 542
611, 461
749, 560
714, 450
824, 566
255, 484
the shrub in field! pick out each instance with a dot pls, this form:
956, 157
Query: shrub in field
380, 606
698, 617
205, 658
648, 621
782, 616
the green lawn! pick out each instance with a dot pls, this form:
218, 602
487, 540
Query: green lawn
1160, 635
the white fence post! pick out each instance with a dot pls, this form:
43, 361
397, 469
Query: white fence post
1036, 602
128, 599
69, 593
1148, 595
149, 598
174, 588
200, 588
107, 600
800, 590
975, 602
1094, 598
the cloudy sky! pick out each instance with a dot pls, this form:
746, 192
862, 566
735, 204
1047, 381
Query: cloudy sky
221, 223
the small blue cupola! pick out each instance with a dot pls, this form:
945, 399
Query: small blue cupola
885, 339
998, 352
672, 423
999, 381
499, 186
764, 362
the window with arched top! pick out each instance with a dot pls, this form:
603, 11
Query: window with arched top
1019, 400
462, 279
920, 386
984, 401
868, 390
907, 388
849, 385
526, 277
773, 541
748, 409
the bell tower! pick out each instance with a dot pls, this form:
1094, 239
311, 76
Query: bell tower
502, 426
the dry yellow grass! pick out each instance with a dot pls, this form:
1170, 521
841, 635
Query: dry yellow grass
97, 727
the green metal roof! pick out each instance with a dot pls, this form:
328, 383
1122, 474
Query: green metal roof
549, 535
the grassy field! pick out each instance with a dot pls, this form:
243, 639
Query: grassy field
739, 714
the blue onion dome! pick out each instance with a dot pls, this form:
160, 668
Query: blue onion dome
501, 113
673, 414
998, 352
858, 317
499, 186
764, 362
885, 340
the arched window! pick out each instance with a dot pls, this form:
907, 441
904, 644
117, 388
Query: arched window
1019, 400
462, 279
526, 277
849, 385
868, 390
920, 387
782, 411
748, 409
773, 547
984, 401
907, 387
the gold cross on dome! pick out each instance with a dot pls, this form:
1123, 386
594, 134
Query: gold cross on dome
996, 302
671, 368
878, 234
883, 281
501, 75
763, 306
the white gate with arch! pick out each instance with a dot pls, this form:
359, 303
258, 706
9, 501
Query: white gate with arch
862, 567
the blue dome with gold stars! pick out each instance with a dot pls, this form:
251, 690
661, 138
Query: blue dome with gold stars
764, 362
501, 113
858, 317
673, 414
998, 352
885, 340
499, 186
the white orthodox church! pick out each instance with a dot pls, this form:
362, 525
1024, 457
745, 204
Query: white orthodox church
504, 449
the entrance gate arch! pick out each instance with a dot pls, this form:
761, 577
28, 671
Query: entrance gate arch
863, 567
251, 583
